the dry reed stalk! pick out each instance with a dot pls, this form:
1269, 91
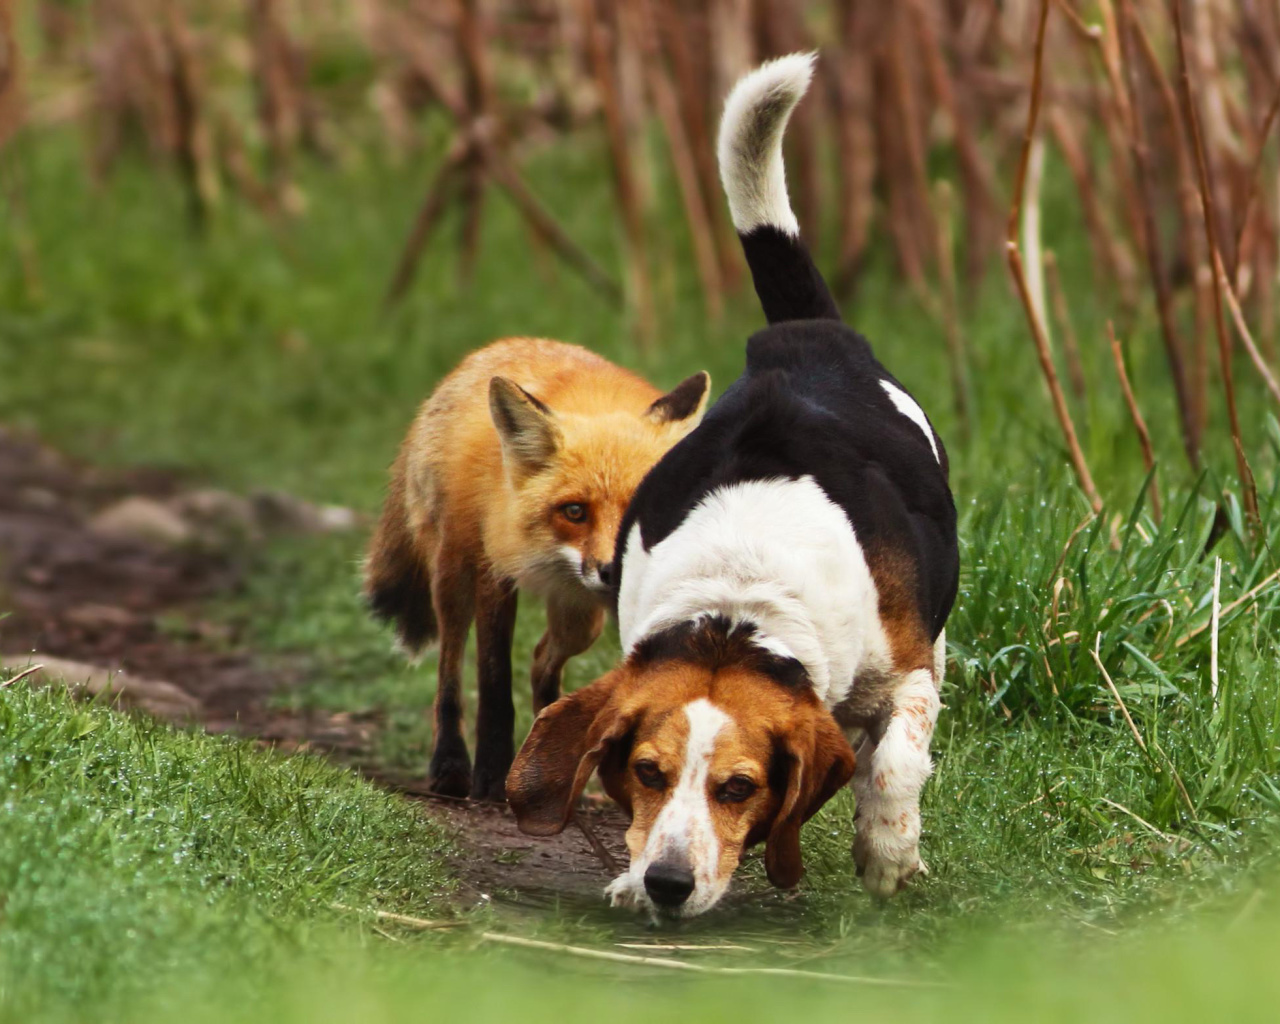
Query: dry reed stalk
1215, 616
636, 21
1186, 179
585, 952
888, 119
279, 96
611, 866
1062, 313
1243, 599
675, 43
639, 286
957, 357
10, 94
911, 130
195, 152
976, 178
1211, 235
30, 670
1114, 261
1255, 166
1060, 409
478, 96
1173, 343
1139, 424
855, 139
1124, 710
429, 212
548, 228
1246, 338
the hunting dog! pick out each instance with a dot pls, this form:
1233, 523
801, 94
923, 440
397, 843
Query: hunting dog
784, 576
514, 476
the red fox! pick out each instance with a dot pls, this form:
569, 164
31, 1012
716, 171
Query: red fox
514, 476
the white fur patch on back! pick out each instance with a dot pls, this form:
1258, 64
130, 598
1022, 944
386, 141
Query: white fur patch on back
750, 143
910, 408
777, 553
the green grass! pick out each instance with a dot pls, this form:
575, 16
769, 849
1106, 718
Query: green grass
133, 856
259, 359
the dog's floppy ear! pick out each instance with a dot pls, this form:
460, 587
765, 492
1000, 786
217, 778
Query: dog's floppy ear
818, 761
564, 747
685, 402
526, 427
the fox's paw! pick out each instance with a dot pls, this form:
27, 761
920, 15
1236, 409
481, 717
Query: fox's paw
489, 784
449, 774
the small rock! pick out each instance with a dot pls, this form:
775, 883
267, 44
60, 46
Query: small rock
140, 518
98, 616
38, 497
277, 510
164, 700
217, 515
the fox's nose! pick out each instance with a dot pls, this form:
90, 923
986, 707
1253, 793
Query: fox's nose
668, 885
606, 573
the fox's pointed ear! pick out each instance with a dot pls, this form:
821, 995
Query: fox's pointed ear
568, 740
685, 402
526, 427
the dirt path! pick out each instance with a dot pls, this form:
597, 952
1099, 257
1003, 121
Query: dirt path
82, 580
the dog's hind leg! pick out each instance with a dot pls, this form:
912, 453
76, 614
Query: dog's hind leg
495, 713
453, 593
572, 627
891, 771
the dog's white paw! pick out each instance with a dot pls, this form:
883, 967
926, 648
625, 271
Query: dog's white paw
623, 891
884, 877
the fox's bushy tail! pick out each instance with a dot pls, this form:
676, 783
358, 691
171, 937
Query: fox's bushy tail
750, 154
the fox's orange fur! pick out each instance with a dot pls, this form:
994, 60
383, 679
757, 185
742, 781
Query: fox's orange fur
514, 475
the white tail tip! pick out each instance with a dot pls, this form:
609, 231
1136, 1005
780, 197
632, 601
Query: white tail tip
750, 145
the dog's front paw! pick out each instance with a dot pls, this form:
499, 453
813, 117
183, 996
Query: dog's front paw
884, 878
623, 891
885, 863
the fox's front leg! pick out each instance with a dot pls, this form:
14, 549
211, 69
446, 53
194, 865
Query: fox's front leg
495, 712
453, 595
572, 626
890, 774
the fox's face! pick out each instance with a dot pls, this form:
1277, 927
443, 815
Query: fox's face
573, 475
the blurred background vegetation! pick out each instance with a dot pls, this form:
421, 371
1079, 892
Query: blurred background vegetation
242, 239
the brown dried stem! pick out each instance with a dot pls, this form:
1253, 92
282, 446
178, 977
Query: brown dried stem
1038, 334
1062, 313
639, 287
1173, 344
1211, 235
1139, 424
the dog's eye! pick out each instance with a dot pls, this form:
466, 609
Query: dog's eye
736, 790
650, 775
575, 512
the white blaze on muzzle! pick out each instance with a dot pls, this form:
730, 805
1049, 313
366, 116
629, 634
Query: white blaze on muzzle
683, 833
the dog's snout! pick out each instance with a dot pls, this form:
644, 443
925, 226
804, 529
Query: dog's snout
606, 573
668, 885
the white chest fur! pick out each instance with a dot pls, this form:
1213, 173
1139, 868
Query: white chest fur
778, 553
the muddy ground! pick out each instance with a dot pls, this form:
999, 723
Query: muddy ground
111, 568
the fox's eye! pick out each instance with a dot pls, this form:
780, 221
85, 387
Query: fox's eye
575, 512
650, 775
736, 790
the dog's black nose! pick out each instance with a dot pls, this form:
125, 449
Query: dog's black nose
668, 885
606, 574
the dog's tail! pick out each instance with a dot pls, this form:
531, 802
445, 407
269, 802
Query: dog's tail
750, 153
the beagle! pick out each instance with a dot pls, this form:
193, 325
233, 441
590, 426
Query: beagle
783, 577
